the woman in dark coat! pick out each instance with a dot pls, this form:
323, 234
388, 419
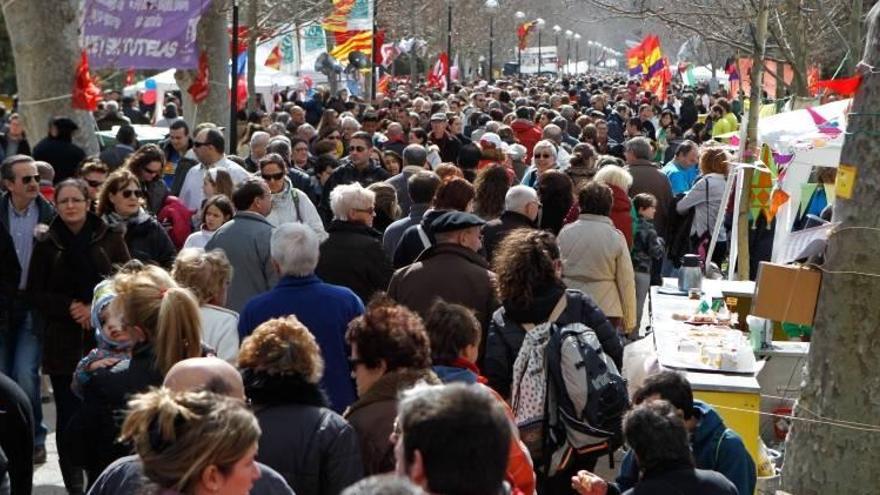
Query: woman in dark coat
119, 205
352, 256
528, 266
315, 450
76, 252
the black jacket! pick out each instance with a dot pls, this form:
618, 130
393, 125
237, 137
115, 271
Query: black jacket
59, 274
16, 436
449, 146
347, 173
506, 332
496, 230
687, 480
94, 429
352, 256
24, 148
312, 447
411, 243
11, 272
147, 240
64, 156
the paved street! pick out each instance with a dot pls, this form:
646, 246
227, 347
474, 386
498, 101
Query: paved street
47, 477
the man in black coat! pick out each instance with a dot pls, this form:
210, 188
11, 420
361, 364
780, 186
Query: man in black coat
16, 436
521, 208
440, 136
356, 167
58, 149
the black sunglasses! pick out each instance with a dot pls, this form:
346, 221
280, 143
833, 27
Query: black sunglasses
543, 156
358, 148
94, 183
27, 179
278, 176
127, 193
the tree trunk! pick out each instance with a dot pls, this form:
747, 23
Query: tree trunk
253, 30
214, 39
45, 46
413, 59
842, 383
854, 32
749, 147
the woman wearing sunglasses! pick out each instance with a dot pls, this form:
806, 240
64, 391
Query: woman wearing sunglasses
289, 204
120, 205
543, 159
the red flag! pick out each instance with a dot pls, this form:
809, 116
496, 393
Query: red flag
437, 76
379, 41
383, 84
522, 33
242, 96
199, 88
843, 87
129, 77
86, 93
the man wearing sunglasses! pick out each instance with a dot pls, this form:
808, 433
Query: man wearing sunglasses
21, 210
356, 167
209, 147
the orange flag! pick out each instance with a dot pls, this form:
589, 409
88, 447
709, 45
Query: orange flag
86, 93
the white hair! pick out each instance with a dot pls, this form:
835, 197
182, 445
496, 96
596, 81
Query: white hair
294, 247
306, 131
349, 122
111, 106
259, 135
518, 197
349, 197
544, 144
614, 175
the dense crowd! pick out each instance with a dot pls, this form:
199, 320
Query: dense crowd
437, 285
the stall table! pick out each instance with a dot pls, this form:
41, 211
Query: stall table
735, 396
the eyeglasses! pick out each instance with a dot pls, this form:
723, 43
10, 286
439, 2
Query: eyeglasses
94, 183
358, 148
69, 201
128, 193
273, 177
27, 179
197, 144
543, 155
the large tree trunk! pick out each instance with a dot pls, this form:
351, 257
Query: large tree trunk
214, 39
46, 50
842, 383
749, 147
854, 33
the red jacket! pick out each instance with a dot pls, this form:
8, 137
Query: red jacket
528, 135
621, 214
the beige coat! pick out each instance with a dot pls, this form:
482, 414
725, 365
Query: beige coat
595, 259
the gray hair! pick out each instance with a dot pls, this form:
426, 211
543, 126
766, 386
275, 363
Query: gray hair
552, 131
351, 122
306, 131
383, 484
259, 136
545, 144
111, 106
493, 126
294, 247
349, 197
518, 197
415, 154
640, 148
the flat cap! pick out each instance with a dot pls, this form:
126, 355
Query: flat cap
439, 116
455, 220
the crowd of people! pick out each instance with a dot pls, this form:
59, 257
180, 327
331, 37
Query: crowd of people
362, 290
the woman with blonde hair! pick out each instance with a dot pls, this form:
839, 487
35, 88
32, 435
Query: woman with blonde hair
207, 274
164, 323
315, 449
194, 442
619, 180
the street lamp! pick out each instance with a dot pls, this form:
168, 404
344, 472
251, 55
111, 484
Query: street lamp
577, 52
492, 7
556, 31
568, 35
539, 26
590, 45
520, 16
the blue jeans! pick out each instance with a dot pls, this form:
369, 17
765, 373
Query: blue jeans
20, 354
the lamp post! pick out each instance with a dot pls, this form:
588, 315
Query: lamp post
590, 44
577, 52
233, 88
568, 35
492, 7
539, 26
556, 31
449, 45
520, 16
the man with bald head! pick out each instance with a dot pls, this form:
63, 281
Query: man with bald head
208, 374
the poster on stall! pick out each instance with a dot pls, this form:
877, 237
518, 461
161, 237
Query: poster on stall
141, 34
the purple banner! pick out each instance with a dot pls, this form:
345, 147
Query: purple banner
142, 34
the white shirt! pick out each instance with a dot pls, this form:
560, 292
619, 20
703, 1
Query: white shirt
198, 239
284, 210
192, 193
220, 331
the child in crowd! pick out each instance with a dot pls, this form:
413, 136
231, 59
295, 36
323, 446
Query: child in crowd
217, 211
114, 341
647, 247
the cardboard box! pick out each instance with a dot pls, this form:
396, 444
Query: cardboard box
786, 293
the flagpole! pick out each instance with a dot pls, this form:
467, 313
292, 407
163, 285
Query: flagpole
233, 106
373, 58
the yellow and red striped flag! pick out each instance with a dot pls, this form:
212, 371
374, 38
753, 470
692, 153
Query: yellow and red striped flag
273, 61
337, 21
351, 41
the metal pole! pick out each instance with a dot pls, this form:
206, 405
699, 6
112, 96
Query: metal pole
491, 41
568, 56
449, 47
539, 52
577, 55
557, 53
519, 61
373, 67
233, 107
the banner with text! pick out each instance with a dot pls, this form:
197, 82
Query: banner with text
142, 34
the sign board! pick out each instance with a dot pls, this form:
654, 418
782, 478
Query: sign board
549, 60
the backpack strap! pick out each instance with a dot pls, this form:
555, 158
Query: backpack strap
294, 196
426, 243
718, 447
554, 315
